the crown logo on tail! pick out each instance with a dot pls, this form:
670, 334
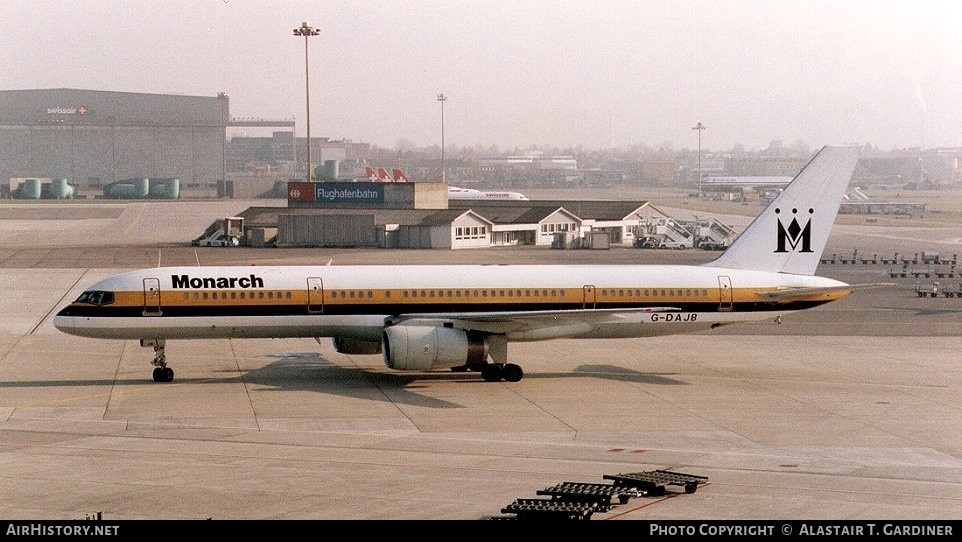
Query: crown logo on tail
795, 234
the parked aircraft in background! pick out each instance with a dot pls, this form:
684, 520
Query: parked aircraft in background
469, 193
380, 175
747, 181
462, 317
455, 192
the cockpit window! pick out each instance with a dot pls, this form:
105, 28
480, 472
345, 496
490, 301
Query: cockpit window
96, 297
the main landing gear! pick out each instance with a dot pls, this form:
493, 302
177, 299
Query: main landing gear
494, 372
162, 373
498, 368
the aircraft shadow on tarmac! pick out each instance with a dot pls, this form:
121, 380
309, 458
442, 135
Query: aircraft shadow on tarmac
621, 374
312, 372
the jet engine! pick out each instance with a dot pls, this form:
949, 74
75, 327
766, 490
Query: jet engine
429, 348
350, 345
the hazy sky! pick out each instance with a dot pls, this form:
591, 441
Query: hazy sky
517, 73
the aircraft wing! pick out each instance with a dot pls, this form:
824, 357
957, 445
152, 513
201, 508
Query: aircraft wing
786, 295
516, 321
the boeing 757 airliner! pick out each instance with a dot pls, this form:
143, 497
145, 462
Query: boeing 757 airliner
462, 317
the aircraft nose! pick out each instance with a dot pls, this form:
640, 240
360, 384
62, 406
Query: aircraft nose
63, 321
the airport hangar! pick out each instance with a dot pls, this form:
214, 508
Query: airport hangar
94, 137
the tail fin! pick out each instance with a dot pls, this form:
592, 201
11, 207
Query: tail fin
790, 234
383, 176
371, 176
399, 176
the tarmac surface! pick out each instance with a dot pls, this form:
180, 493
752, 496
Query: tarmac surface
848, 411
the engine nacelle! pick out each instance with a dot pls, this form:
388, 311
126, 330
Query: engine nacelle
350, 345
429, 348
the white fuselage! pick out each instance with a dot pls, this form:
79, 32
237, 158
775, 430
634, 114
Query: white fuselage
356, 301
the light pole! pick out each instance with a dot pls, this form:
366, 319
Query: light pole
307, 31
442, 98
700, 127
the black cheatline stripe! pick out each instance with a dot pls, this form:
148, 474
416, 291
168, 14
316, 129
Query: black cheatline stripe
334, 309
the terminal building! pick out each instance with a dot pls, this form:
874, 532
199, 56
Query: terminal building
418, 215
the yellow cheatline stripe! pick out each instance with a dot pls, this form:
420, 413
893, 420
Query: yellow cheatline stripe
396, 296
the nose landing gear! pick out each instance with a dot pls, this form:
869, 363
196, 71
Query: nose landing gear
162, 373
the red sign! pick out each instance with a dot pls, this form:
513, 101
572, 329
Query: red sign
300, 192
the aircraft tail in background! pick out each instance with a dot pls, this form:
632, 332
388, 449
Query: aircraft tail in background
383, 176
399, 176
790, 234
380, 175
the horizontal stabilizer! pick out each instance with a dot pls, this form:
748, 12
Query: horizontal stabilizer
788, 295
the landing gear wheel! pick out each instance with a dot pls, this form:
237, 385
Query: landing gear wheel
512, 372
460, 368
163, 374
492, 373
